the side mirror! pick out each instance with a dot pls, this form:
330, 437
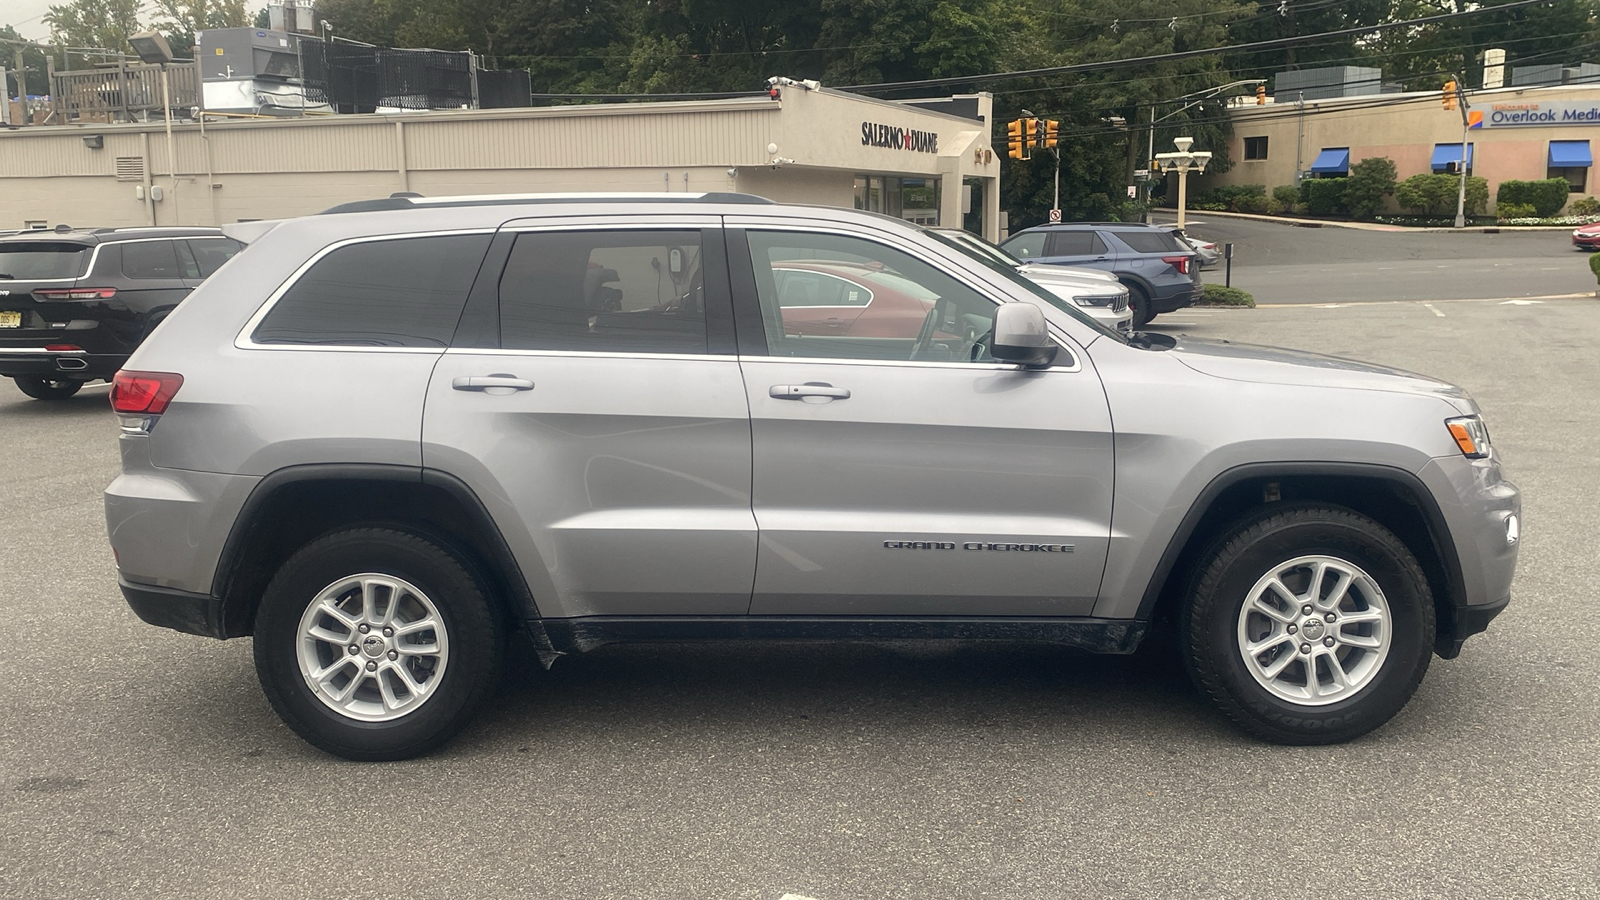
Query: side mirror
1020, 336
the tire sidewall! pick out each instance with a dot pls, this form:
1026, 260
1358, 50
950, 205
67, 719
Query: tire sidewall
456, 595
41, 389
1410, 625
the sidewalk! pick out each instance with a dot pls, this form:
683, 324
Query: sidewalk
1297, 222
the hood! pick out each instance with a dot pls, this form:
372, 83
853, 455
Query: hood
1275, 365
1070, 276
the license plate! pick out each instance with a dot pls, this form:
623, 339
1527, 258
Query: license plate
10, 318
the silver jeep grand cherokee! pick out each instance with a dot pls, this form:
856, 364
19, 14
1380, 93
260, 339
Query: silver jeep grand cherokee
382, 438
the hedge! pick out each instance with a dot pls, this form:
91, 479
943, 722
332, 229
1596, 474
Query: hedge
1546, 196
1286, 196
1435, 195
1323, 196
1230, 197
1218, 295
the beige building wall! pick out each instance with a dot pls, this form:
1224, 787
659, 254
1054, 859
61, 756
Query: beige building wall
806, 147
1405, 131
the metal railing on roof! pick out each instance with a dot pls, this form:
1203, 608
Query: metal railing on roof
127, 93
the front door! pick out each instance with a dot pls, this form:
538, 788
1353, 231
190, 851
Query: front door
593, 402
908, 474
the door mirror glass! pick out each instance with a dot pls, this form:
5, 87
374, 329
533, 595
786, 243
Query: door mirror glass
1020, 336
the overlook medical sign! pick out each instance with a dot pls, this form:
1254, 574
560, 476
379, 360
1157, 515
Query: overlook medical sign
1514, 115
897, 138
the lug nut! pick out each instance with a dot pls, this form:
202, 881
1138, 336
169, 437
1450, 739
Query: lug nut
395, 654
389, 632
1291, 629
1327, 642
1330, 618
366, 628
354, 649
372, 667
1306, 609
1305, 648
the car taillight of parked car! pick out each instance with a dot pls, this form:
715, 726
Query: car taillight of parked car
57, 295
1181, 263
143, 393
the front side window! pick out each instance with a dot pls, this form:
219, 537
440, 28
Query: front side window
1027, 245
403, 292
604, 292
917, 311
806, 287
1076, 243
150, 259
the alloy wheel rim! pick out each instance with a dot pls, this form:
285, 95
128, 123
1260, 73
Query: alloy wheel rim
1314, 630
372, 647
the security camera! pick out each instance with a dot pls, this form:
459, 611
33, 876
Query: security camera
733, 171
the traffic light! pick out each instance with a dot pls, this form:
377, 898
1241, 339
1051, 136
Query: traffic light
1450, 94
1030, 132
1052, 130
1261, 95
1014, 145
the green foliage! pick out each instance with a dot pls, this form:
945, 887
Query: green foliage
1546, 196
1435, 195
105, 24
1217, 295
1324, 196
1515, 211
1594, 265
1286, 196
1256, 204
1371, 180
32, 61
180, 19
1584, 206
1230, 197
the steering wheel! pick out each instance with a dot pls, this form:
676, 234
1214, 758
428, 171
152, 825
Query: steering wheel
925, 334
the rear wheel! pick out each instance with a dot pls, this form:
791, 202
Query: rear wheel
1309, 625
375, 644
47, 388
1139, 302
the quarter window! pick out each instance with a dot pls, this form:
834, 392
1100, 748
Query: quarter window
1151, 241
917, 311
605, 292
405, 292
210, 254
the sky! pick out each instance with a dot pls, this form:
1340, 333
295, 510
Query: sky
25, 15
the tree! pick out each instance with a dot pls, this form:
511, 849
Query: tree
94, 25
1370, 180
180, 19
32, 62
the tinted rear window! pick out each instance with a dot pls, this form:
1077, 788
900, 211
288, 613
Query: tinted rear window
36, 261
1150, 241
405, 292
150, 259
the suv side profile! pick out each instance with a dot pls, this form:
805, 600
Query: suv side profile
388, 436
75, 303
1161, 272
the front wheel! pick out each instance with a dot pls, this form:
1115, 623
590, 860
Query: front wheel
47, 388
1309, 625
375, 644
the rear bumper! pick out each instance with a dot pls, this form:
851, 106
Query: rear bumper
179, 610
42, 363
1176, 299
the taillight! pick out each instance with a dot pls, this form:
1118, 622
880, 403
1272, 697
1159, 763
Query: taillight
63, 348
1181, 263
59, 294
144, 393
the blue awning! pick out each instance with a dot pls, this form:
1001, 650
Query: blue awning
1332, 161
1444, 154
1570, 154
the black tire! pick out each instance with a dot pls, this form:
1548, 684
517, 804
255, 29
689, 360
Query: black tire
47, 388
472, 637
1139, 302
1212, 626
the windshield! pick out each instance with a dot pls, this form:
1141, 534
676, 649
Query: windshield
35, 261
973, 242
1009, 272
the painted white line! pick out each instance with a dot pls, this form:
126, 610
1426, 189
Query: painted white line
1435, 309
1520, 302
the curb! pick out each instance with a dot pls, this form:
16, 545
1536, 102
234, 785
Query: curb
1294, 222
1334, 304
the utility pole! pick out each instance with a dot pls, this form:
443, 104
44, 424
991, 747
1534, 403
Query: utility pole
1461, 193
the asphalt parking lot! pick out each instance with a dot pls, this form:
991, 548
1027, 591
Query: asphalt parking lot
136, 762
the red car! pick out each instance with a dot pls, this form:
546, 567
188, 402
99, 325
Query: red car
845, 298
1587, 237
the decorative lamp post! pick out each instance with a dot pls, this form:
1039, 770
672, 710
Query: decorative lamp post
1182, 161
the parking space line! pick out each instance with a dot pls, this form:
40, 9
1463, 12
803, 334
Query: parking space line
1435, 309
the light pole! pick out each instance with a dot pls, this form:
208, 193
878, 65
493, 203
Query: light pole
1184, 160
1056, 204
152, 48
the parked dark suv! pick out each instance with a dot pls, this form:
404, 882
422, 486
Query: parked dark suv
75, 303
1162, 274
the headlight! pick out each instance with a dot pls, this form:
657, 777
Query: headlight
1471, 435
1102, 300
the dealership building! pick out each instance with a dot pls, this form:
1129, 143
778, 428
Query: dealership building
928, 161
1524, 133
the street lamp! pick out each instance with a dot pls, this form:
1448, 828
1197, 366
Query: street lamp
1184, 160
152, 48
1202, 96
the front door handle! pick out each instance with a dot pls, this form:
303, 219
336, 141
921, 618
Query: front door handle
490, 383
811, 392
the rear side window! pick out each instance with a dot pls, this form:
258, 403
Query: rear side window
604, 292
38, 261
150, 259
211, 253
1076, 243
403, 292
1150, 241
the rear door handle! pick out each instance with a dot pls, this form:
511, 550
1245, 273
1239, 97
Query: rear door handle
507, 383
815, 391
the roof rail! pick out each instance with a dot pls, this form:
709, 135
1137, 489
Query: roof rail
408, 200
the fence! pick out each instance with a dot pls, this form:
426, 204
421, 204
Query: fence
128, 93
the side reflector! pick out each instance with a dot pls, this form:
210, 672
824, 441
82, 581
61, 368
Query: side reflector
145, 393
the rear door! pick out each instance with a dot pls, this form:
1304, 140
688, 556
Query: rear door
151, 281
1080, 248
592, 400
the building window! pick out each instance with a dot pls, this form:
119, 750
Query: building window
1255, 148
1571, 160
913, 199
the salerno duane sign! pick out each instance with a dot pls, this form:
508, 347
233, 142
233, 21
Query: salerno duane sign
896, 138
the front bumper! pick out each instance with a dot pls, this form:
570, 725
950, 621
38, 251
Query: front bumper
1478, 505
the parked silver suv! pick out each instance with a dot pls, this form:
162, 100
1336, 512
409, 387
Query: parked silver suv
382, 438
